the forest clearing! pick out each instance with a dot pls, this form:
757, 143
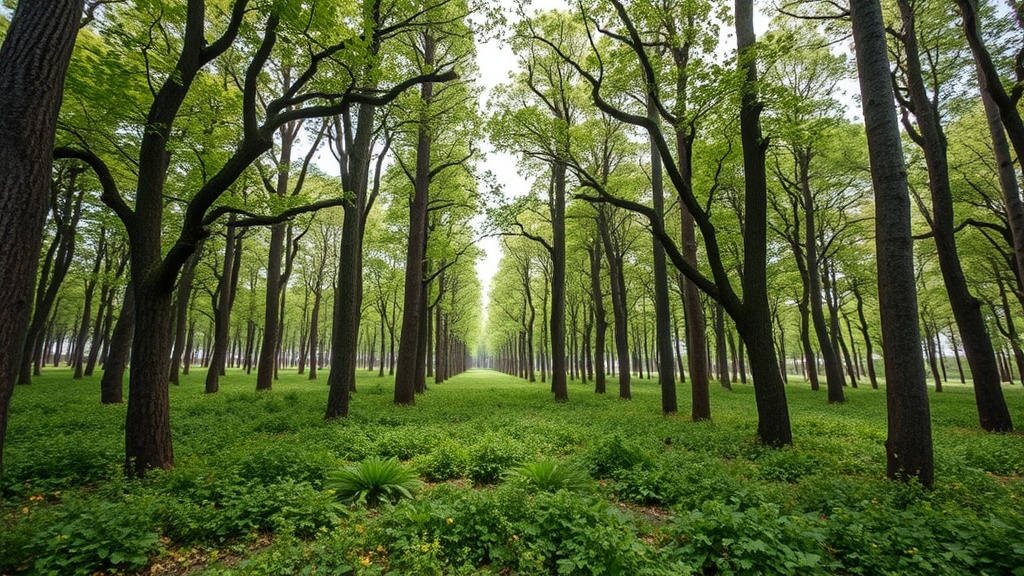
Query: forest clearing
657, 495
747, 281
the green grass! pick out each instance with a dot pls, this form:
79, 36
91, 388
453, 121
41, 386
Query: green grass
247, 495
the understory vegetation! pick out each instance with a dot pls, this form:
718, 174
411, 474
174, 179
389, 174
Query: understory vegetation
511, 484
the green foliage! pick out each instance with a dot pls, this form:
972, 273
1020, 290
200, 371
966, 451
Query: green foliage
250, 501
373, 481
88, 536
723, 538
613, 453
402, 443
445, 461
490, 457
552, 476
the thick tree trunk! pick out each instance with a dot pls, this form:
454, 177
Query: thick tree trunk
148, 423
33, 60
909, 445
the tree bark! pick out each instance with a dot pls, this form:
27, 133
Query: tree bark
662, 306
224, 298
33, 60
181, 306
558, 366
112, 383
600, 320
618, 292
755, 326
909, 445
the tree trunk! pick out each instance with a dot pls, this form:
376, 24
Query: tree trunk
348, 294
112, 383
993, 413
618, 292
558, 366
181, 306
909, 445
148, 423
662, 306
406, 370
833, 369
224, 297
600, 321
265, 371
868, 352
721, 351
770, 394
66, 214
33, 60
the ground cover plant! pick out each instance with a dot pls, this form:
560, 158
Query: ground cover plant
513, 484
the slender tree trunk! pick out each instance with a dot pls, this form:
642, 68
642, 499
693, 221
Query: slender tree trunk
993, 413
930, 347
66, 214
773, 426
833, 369
662, 306
222, 310
600, 321
314, 335
348, 294
868, 352
112, 383
558, 366
181, 306
721, 353
407, 369
618, 292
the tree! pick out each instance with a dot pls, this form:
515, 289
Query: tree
154, 271
750, 312
927, 132
33, 60
909, 445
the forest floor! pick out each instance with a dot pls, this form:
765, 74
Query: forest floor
641, 493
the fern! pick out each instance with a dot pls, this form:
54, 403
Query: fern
373, 481
552, 476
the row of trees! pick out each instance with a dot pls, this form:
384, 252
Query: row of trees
205, 161
775, 208
203, 156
